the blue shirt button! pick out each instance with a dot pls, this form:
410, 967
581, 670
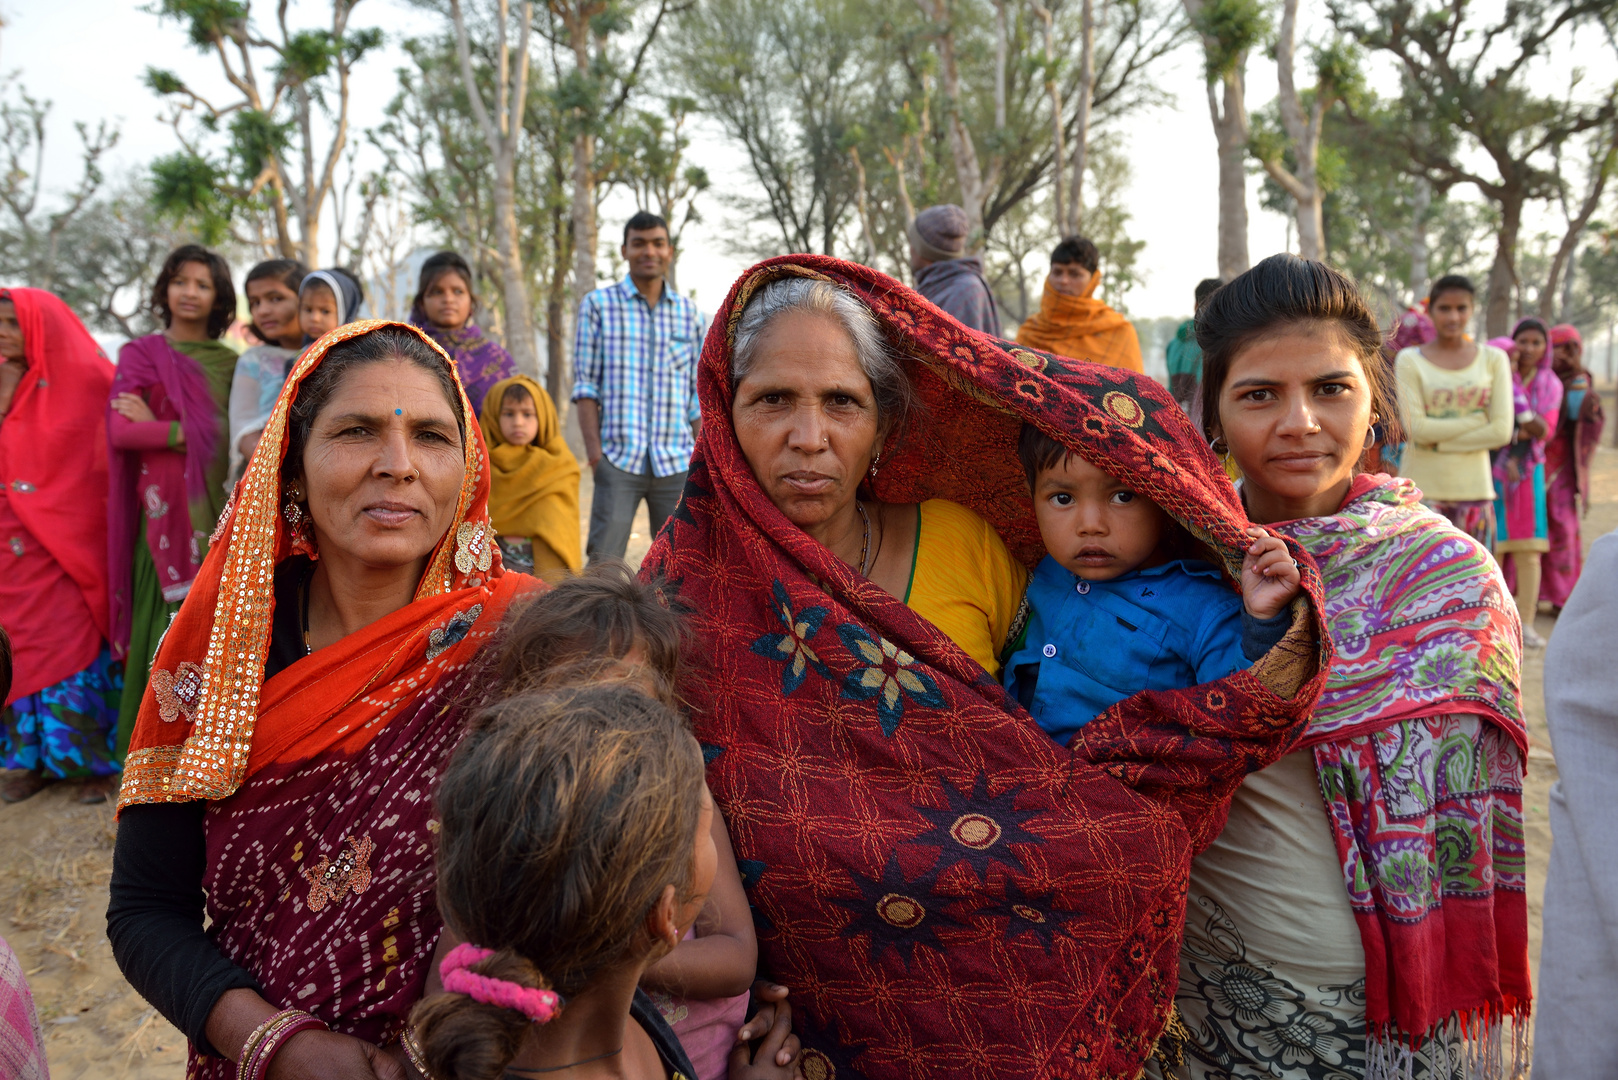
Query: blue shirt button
1049, 651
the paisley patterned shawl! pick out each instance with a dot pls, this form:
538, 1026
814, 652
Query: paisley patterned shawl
948, 892
1419, 740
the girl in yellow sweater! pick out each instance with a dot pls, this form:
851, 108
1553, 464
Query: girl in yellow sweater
1455, 397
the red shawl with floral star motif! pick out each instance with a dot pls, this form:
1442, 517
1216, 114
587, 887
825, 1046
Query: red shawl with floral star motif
947, 891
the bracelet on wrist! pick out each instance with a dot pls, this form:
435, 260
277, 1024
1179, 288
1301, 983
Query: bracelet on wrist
412, 1049
267, 1040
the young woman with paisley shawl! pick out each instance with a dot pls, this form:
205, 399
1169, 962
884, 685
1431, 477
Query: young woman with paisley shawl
1364, 912
280, 776
946, 891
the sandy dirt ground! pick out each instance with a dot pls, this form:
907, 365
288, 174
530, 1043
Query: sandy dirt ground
56, 857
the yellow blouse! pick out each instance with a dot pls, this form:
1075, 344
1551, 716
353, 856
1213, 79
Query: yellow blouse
964, 581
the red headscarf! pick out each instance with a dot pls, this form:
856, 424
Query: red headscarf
53, 447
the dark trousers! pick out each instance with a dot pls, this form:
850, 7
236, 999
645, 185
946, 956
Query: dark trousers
617, 497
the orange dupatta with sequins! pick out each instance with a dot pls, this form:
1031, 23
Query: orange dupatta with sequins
209, 721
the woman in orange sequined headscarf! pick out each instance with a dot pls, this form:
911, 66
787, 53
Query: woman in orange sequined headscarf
299, 708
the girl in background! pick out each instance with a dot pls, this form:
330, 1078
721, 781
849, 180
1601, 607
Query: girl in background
534, 493
166, 425
575, 849
444, 305
59, 719
327, 299
1455, 400
1519, 472
607, 626
1567, 465
272, 304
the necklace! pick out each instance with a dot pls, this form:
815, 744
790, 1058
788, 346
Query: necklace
303, 608
569, 1065
865, 546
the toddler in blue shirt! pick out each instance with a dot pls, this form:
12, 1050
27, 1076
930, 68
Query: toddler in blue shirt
1114, 609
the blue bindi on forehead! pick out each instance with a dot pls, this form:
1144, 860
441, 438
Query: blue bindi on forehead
398, 412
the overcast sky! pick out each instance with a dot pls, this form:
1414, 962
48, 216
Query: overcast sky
87, 56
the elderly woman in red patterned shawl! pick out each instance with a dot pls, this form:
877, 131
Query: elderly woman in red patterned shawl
946, 891
279, 778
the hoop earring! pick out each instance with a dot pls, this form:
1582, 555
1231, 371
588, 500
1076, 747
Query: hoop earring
1370, 436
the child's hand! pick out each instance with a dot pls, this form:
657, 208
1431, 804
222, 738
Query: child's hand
777, 1057
1270, 577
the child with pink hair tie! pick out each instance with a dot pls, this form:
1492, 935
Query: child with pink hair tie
575, 850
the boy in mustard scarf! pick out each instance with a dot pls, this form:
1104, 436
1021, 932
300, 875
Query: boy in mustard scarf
1071, 321
534, 479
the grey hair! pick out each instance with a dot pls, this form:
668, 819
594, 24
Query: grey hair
889, 385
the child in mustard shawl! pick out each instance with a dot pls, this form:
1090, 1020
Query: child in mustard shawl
534, 492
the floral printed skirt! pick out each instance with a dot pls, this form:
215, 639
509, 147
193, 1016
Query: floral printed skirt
67, 730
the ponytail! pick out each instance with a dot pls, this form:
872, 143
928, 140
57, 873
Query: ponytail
474, 1029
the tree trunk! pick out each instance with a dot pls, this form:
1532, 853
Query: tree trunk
1081, 126
521, 341
1303, 184
1600, 168
1230, 127
1064, 221
1420, 251
969, 176
1503, 273
557, 339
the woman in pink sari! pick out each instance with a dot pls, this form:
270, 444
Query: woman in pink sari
1519, 471
1567, 466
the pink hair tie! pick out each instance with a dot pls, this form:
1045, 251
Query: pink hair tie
538, 1005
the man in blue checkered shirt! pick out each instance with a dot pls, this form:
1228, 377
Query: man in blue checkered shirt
635, 358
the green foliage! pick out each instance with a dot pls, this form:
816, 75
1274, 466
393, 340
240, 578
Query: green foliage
256, 138
186, 187
205, 21
307, 55
163, 82
1231, 29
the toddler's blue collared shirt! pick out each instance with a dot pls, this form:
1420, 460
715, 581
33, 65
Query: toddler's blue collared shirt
1090, 644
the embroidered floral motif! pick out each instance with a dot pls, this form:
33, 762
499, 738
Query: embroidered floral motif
22, 486
330, 881
887, 675
442, 637
792, 648
474, 547
178, 692
155, 506
16, 546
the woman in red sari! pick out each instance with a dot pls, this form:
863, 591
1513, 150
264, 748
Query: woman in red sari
1567, 465
299, 708
61, 714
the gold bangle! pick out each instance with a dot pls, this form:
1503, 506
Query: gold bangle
257, 1035
412, 1049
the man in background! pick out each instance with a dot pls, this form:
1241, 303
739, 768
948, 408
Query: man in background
945, 273
1184, 355
635, 353
1071, 321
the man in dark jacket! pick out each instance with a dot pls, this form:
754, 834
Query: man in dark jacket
945, 273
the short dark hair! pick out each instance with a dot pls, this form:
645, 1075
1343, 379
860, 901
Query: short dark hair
1531, 323
224, 293
516, 392
1281, 292
646, 221
436, 266
289, 272
582, 626
1451, 283
1038, 451
1077, 249
383, 343
1206, 288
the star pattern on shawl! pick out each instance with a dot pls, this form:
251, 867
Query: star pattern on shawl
693, 490
887, 673
1029, 914
897, 914
824, 1056
977, 828
792, 649
1134, 411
